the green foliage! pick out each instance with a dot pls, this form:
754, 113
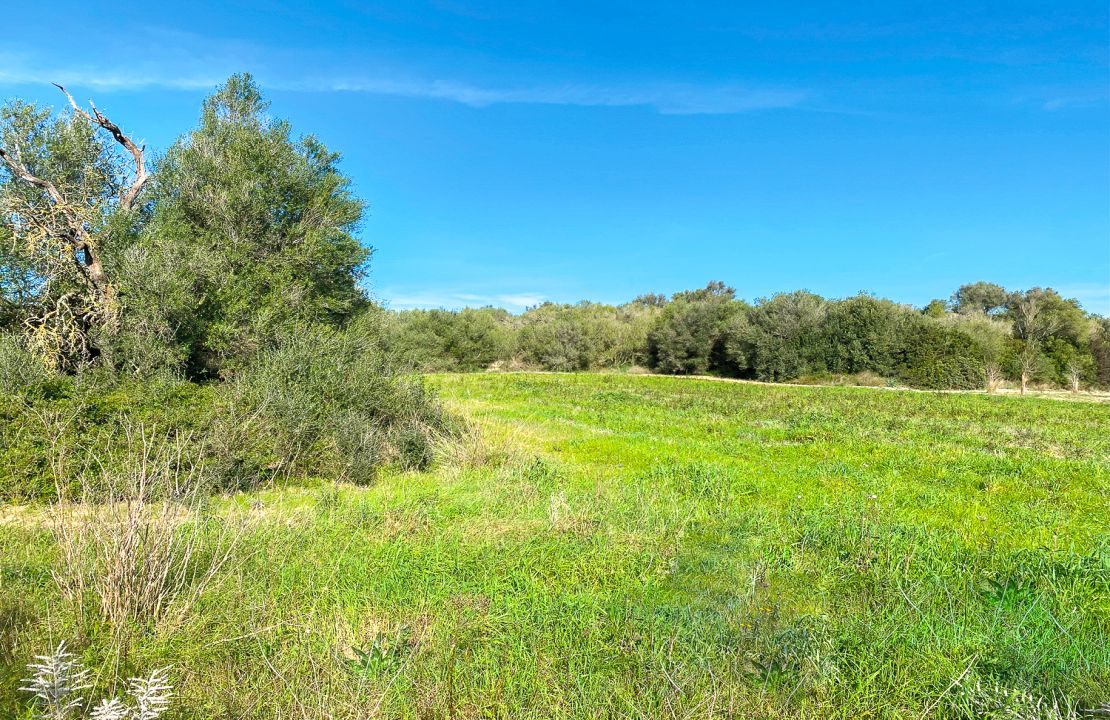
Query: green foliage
53, 228
22, 373
326, 402
782, 339
689, 337
444, 340
934, 355
861, 335
784, 336
241, 266
259, 224
935, 309
69, 436
981, 297
320, 403
576, 337
1100, 350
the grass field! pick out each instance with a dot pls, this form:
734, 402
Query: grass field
616, 546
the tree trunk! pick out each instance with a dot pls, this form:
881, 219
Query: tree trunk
1024, 381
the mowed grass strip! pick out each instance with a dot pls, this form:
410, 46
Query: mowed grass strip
618, 546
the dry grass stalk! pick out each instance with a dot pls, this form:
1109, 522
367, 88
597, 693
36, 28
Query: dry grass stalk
142, 543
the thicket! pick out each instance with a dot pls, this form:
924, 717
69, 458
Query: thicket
214, 293
979, 338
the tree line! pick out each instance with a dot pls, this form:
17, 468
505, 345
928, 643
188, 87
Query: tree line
238, 242
982, 336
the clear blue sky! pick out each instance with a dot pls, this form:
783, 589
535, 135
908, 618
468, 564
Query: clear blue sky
519, 151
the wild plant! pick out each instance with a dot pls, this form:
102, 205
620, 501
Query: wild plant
141, 540
57, 679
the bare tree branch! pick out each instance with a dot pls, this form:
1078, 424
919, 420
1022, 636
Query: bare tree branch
127, 199
20, 170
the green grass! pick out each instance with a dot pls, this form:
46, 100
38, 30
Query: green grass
651, 547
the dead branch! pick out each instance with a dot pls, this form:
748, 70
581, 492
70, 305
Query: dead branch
127, 199
20, 170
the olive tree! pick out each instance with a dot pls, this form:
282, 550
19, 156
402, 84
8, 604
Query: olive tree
262, 223
69, 198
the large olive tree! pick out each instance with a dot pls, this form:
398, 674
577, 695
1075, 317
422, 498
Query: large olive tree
262, 224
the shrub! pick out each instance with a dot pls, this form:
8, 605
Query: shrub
22, 372
324, 402
991, 336
860, 334
445, 340
574, 337
784, 336
320, 402
63, 440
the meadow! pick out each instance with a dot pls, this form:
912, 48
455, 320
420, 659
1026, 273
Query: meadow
602, 545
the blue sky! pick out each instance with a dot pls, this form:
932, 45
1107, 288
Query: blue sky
518, 152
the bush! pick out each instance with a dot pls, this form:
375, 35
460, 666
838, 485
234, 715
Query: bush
860, 334
67, 439
445, 340
325, 402
784, 336
321, 402
23, 373
585, 336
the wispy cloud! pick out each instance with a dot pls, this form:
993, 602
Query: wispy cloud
17, 69
668, 98
183, 70
1095, 297
455, 300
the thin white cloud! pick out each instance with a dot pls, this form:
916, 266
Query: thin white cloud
519, 300
667, 98
184, 71
18, 69
454, 300
1094, 297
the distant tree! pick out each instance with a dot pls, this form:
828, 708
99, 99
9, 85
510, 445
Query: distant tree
935, 309
569, 337
1100, 350
860, 334
991, 336
932, 354
688, 335
982, 297
439, 340
650, 300
1074, 364
785, 336
1039, 315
